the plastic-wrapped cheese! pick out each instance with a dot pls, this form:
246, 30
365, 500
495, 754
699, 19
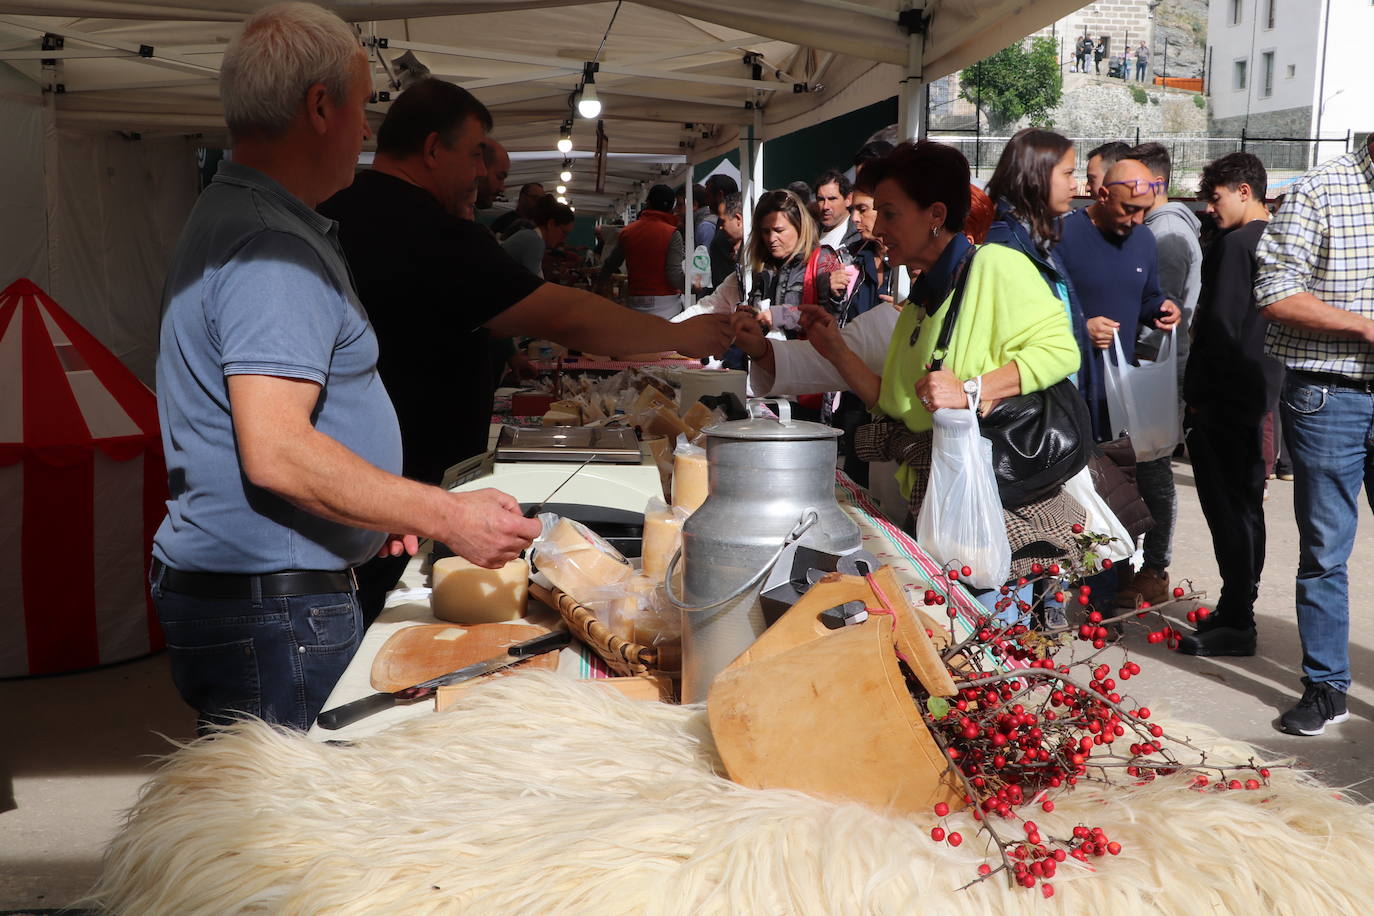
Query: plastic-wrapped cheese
469, 594
689, 478
697, 416
576, 559
662, 537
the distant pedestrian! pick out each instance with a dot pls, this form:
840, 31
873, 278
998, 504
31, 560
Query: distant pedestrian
1316, 285
1099, 52
1142, 61
1084, 48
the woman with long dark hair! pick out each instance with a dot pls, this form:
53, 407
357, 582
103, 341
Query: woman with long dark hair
1032, 188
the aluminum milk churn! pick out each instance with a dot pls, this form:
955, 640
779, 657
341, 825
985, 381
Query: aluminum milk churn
771, 488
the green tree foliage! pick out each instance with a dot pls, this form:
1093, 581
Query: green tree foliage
1020, 81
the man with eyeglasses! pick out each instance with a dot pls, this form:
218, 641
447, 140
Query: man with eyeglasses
1115, 269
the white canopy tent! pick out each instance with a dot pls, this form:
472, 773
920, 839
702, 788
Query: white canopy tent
111, 96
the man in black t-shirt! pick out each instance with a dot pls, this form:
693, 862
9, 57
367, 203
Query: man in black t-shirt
436, 286
1229, 387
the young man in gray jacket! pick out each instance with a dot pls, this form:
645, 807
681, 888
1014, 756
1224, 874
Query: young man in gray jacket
1175, 228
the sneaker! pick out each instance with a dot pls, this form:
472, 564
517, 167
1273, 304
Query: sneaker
1321, 703
1285, 475
1215, 642
1148, 585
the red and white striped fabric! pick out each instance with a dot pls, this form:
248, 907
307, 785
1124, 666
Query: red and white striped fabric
83, 484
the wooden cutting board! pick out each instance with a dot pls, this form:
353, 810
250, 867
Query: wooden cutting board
419, 653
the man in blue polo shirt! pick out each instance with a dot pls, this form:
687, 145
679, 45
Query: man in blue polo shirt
282, 445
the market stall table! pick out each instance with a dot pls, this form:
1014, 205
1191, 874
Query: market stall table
409, 606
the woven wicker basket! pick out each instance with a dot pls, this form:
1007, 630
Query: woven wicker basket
620, 655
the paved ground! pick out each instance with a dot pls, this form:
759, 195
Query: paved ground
77, 747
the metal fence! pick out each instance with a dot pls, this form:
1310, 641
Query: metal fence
1189, 154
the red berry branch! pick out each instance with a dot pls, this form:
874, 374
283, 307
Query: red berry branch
1019, 738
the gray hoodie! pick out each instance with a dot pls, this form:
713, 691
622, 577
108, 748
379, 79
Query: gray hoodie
1180, 273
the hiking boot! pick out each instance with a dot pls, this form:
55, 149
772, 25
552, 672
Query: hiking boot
1321, 703
1148, 585
1218, 641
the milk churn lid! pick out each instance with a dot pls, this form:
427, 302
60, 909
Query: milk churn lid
761, 426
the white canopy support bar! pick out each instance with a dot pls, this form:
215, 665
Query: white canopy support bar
146, 53
540, 61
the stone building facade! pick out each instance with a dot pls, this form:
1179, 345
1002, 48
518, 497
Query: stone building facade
1125, 23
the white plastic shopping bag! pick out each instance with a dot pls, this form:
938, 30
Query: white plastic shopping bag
1143, 400
1102, 520
961, 519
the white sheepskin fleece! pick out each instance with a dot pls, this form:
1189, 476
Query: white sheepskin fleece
537, 794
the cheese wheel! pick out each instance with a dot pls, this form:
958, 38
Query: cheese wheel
689, 480
662, 538
577, 560
469, 594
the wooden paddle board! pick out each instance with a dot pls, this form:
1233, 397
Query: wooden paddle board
419, 653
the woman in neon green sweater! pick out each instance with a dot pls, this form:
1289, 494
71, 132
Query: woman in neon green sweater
1011, 331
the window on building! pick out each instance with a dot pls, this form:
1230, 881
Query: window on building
1293, 69
1238, 80
1272, 9
1235, 12
1267, 71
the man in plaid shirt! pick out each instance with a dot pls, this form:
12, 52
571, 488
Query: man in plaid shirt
1315, 283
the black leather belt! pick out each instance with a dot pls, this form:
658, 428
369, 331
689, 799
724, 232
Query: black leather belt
286, 584
1333, 380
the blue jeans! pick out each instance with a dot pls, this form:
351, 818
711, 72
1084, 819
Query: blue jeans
1330, 436
274, 658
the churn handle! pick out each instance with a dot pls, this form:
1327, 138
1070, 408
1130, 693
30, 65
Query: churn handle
782, 407
809, 518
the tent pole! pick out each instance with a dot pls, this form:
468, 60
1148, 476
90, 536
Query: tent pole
689, 236
911, 97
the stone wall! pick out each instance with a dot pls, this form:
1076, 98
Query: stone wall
1108, 108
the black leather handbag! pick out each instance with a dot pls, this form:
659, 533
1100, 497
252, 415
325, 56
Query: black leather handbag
1039, 440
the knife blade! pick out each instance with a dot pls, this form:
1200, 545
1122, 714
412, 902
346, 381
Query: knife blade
535, 509
347, 714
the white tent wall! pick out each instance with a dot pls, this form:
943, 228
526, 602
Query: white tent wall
115, 208
24, 227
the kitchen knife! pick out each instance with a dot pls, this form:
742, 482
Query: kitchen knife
538, 507
349, 713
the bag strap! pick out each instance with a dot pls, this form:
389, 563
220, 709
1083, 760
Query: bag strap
947, 329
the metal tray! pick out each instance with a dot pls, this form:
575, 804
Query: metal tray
568, 443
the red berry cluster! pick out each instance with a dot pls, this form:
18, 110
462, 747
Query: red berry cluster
1014, 738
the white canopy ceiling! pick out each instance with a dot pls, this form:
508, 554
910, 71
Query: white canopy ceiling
673, 74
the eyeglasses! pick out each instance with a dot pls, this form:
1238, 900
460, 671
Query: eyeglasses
1139, 186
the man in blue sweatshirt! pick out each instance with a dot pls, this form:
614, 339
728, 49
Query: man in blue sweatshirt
1115, 271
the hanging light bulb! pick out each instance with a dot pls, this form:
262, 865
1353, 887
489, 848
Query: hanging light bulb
565, 138
566, 175
588, 105
562, 189
561, 199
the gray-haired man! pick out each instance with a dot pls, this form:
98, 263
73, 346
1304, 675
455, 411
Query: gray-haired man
282, 446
